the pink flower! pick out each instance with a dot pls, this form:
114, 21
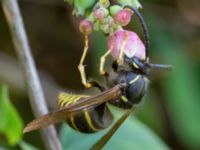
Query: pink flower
133, 47
123, 17
85, 26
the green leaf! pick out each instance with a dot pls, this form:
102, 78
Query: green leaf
183, 101
133, 3
131, 135
10, 122
114, 9
181, 86
82, 5
26, 146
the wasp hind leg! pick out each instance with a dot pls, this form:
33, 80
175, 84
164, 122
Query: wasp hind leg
81, 68
96, 84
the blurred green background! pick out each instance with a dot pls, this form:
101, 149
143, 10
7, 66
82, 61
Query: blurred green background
170, 113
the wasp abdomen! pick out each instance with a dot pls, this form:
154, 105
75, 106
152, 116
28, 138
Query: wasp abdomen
88, 120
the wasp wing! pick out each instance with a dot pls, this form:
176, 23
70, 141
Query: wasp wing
67, 112
46, 120
108, 95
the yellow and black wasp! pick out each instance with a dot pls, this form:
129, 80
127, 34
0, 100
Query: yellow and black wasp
125, 88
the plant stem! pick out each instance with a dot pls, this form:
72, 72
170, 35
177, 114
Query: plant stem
38, 104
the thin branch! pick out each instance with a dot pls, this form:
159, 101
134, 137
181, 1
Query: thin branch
38, 104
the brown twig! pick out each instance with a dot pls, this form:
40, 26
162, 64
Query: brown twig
38, 104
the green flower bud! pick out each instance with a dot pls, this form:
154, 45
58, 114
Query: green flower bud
104, 3
114, 9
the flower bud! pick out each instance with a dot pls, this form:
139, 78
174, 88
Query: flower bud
85, 26
104, 3
123, 17
133, 47
100, 13
114, 9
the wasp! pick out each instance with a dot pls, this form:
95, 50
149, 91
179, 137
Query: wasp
126, 84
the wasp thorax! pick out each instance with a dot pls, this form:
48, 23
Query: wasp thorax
133, 87
129, 42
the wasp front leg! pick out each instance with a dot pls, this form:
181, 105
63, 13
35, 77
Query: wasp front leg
102, 62
103, 58
121, 50
119, 59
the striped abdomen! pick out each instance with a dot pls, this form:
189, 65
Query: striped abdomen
89, 120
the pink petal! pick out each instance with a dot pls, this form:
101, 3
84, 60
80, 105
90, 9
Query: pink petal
133, 47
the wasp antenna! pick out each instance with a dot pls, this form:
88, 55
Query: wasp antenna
144, 28
161, 66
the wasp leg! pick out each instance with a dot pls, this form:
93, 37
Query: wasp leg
81, 67
109, 134
121, 51
96, 84
102, 62
103, 58
115, 66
